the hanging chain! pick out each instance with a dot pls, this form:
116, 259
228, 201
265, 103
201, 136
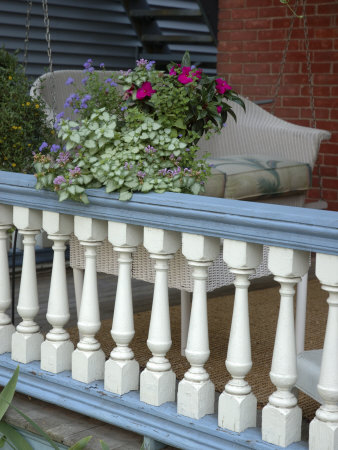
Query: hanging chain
28, 21
308, 66
281, 71
49, 50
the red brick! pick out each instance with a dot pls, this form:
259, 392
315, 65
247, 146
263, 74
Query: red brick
266, 35
328, 9
330, 183
296, 101
326, 56
244, 35
324, 44
295, 79
280, 46
257, 68
258, 3
243, 79
244, 13
319, 21
245, 57
326, 33
267, 79
258, 24
326, 102
290, 90
260, 91
334, 91
328, 171
290, 67
325, 79
320, 113
272, 12
331, 160
332, 206
228, 4
330, 194
229, 68
319, 91
288, 113
224, 57
334, 114
228, 46
256, 46
313, 194
224, 14
231, 25
281, 23
268, 57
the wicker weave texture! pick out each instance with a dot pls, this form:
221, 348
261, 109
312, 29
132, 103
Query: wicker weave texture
179, 275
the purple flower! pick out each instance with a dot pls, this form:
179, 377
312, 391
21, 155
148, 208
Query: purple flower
43, 146
108, 80
172, 156
150, 149
141, 62
186, 170
84, 80
75, 171
102, 66
70, 80
150, 64
91, 69
128, 165
63, 157
187, 149
76, 111
123, 108
84, 101
88, 64
113, 84
141, 174
54, 148
59, 180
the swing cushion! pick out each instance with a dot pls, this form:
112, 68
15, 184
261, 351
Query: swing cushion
255, 176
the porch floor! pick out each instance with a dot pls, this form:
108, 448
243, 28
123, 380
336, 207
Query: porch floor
67, 427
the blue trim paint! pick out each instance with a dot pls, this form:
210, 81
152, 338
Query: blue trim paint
127, 411
283, 226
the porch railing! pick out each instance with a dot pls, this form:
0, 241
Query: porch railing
150, 403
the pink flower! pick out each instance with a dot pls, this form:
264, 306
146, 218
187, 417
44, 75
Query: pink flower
222, 86
172, 71
145, 90
219, 109
184, 77
197, 74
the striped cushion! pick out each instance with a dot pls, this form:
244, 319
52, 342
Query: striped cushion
253, 176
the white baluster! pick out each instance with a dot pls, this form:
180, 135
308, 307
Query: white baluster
237, 407
121, 373
88, 358
6, 327
158, 381
196, 392
27, 340
324, 427
281, 417
56, 351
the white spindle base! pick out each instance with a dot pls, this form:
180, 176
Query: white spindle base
56, 356
88, 366
121, 377
243, 411
26, 347
6, 332
157, 387
195, 400
323, 435
281, 426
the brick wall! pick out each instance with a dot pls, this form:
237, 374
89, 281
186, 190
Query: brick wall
252, 36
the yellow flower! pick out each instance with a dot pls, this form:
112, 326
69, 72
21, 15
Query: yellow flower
28, 103
10, 77
22, 104
29, 145
52, 132
5, 158
37, 105
13, 165
13, 127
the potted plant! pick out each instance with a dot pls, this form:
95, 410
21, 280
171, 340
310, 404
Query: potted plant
134, 131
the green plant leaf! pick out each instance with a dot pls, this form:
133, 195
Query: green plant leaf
7, 393
125, 195
63, 195
36, 427
186, 62
81, 444
14, 436
104, 446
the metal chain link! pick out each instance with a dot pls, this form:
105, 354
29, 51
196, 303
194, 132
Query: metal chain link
49, 50
281, 71
28, 20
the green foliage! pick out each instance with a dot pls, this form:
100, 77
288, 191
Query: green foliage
138, 136
23, 122
12, 437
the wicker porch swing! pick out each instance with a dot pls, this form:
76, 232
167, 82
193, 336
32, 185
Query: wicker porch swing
260, 158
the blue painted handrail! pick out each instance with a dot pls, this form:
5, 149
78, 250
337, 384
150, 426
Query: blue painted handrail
283, 226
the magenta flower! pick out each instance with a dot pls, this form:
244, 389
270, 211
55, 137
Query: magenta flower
219, 109
197, 74
172, 71
222, 86
145, 90
184, 77
128, 93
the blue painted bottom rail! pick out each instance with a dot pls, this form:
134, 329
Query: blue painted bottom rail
127, 411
